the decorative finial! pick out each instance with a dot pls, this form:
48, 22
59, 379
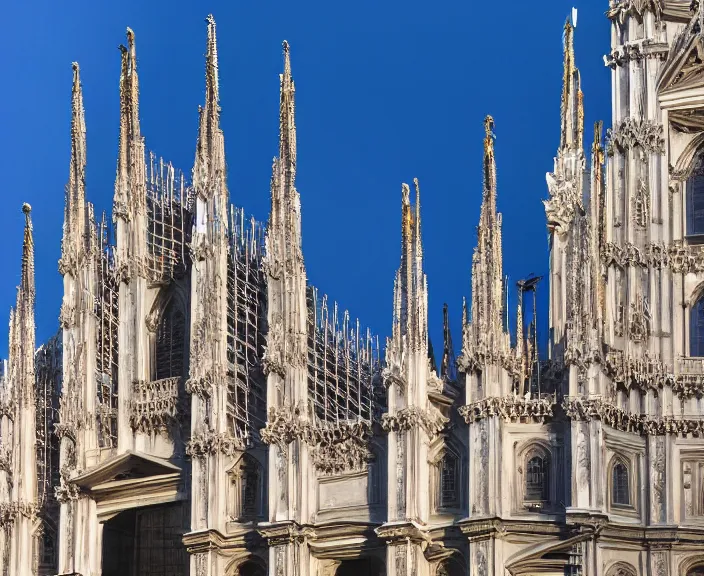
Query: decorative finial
489, 126
26, 209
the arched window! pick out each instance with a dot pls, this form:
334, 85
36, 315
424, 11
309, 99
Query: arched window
696, 571
245, 499
696, 328
695, 202
48, 550
449, 480
537, 475
169, 349
620, 488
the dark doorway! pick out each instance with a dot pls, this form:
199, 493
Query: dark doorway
251, 568
146, 542
361, 567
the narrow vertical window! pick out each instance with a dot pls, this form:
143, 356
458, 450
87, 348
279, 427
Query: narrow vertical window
695, 203
696, 328
620, 486
170, 343
449, 481
536, 479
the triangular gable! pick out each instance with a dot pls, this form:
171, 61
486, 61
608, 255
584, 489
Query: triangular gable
683, 67
129, 465
538, 557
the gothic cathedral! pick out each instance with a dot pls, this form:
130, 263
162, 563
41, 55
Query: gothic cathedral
204, 411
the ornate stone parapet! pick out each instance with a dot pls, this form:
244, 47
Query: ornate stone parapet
680, 258
621, 9
210, 442
510, 409
155, 405
634, 132
348, 453
475, 356
432, 421
689, 380
595, 408
644, 371
335, 446
634, 51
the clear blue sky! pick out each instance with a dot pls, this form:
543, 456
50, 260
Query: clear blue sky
386, 91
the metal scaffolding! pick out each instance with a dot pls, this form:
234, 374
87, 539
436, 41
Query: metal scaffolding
344, 366
107, 321
170, 222
246, 319
49, 373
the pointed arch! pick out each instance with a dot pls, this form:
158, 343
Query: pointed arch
168, 323
536, 468
696, 322
621, 569
692, 566
620, 481
446, 484
246, 489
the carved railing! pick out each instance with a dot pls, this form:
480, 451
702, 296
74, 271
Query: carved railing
155, 404
511, 408
690, 366
689, 379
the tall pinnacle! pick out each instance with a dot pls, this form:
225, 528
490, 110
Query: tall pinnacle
212, 86
74, 216
209, 168
129, 125
287, 122
410, 298
27, 276
487, 267
572, 106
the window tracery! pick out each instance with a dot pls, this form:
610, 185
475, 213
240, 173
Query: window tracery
535, 472
169, 342
537, 479
695, 199
246, 481
620, 485
696, 328
450, 480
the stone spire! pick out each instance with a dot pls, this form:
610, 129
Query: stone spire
284, 236
26, 289
209, 169
21, 446
73, 240
129, 185
597, 203
410, 328
572, 105
287, 123
487, 268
